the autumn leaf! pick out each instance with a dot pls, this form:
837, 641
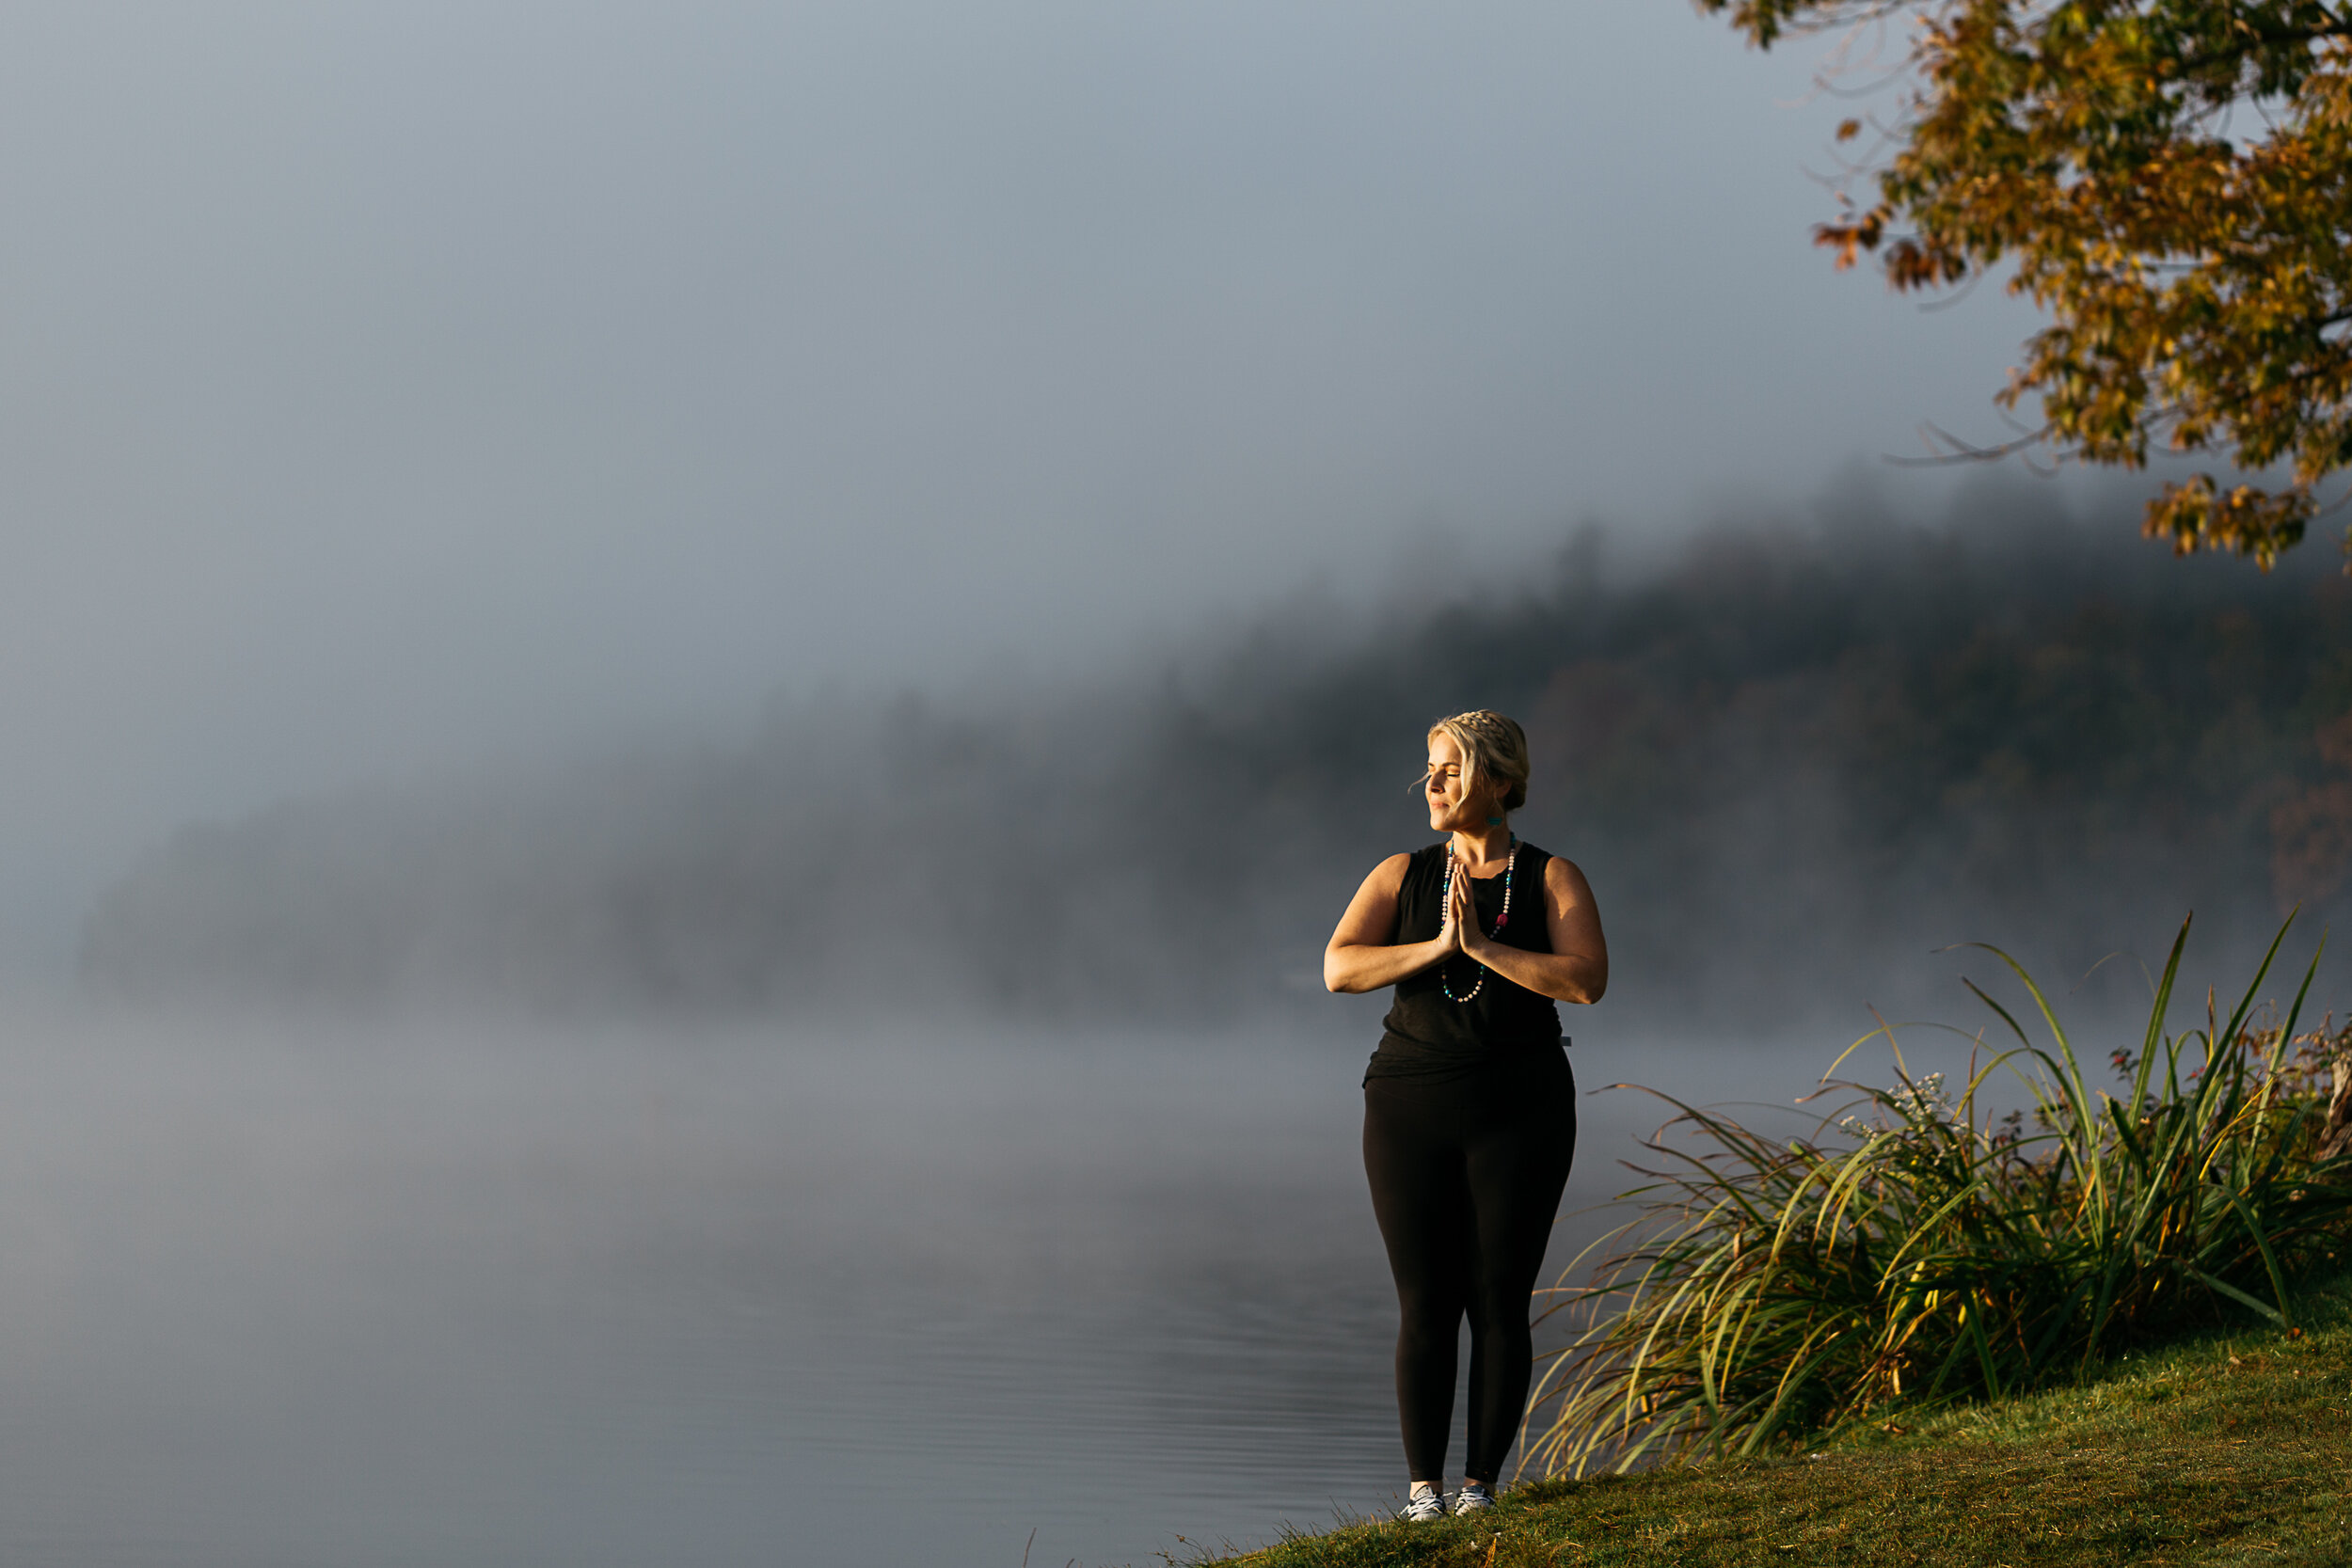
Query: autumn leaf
2170, 181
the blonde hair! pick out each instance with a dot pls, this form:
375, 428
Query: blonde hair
1490, 744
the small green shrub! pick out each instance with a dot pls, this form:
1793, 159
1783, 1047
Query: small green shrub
1911, 1250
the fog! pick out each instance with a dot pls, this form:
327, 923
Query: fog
1796, 759
282, 1296
393, 389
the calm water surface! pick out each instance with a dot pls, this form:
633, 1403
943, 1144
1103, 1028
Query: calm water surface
467, 1295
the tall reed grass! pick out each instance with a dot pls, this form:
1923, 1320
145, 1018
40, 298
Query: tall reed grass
1912, 1251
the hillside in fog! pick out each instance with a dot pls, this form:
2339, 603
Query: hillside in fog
1792, 761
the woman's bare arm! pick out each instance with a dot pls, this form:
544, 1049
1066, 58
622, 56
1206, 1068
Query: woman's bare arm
1362, 954
1576, 968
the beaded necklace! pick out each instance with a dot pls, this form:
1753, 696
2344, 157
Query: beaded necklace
1502, 919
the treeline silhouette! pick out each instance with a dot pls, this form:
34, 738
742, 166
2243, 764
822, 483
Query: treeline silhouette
1793, 761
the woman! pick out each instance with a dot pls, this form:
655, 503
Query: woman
1470, 1112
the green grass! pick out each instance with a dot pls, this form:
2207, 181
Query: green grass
1921, 1249
2225, 1448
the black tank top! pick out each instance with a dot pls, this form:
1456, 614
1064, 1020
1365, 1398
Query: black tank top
1431, 1035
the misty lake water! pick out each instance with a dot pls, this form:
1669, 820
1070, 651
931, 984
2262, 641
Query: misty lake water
467, 1295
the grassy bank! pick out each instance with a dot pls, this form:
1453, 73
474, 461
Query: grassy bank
1917, 1249
2226, 1448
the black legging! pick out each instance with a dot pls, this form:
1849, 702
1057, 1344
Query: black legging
1466, 1178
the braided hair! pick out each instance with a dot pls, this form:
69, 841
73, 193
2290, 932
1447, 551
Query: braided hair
1490, 744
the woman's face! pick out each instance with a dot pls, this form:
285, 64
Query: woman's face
1451, 809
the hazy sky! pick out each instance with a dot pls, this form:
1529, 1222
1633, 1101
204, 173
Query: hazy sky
389, 385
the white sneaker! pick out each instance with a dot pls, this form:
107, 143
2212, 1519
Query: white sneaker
1422, 1507
1472, 1498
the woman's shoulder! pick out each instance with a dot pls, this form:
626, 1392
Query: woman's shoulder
1562, 874
1555, 868
1393, 872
